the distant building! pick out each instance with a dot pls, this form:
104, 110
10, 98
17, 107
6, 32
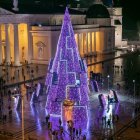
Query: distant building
29, 32
116, 21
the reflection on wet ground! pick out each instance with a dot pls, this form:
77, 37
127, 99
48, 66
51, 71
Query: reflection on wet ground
34, 115
35, 125
114, 68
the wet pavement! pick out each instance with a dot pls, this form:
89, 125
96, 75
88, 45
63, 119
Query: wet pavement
34, 115
34, 118
15, 75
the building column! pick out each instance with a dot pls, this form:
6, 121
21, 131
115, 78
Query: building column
30, 44
0, 47
16, 45
94, 42
106, 39
49, 45
7, 45
91, 42
113, 39
78, 42
86, 43
81, 44
83, 37
78, 38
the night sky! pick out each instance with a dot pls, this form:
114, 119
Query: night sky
131, 8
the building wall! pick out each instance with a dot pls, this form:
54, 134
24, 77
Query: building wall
38, 44
89, 41
40, 49
118, 36
54, 39
100, 21
23, 42
3, 41
116, 20
11, 41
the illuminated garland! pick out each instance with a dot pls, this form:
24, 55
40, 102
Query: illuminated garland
67, 77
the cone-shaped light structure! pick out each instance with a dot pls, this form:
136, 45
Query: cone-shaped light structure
67, 76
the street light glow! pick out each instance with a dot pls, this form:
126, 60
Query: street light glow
134, 92
108, 76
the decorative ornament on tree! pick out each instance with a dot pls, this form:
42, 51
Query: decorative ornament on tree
67, 79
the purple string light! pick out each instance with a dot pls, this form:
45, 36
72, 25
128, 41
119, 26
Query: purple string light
67, 76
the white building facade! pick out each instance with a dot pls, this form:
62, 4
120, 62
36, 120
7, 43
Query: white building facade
32, 38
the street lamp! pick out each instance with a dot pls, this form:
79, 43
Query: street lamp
134, 91
32, 77
23, 93
108, 76
22, 110
102, 83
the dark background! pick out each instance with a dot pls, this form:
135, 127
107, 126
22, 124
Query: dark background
131, 8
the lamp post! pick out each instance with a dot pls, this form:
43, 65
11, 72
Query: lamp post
108, 76
32, 77
22, 107
134, 91
23, 93
102, 83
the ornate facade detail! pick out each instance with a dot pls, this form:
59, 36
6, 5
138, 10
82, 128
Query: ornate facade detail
40, 45
5, 12
15, 4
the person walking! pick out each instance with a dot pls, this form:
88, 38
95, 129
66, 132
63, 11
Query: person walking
80, 132
113, 118
4, 118
108, 123
110, 116
117, 117
47, 118
50, 126
62, 131
102, 120
18, 72
22, 71
105, 120
73, 131
10, 115
84, 137
24, 77
53, 135
77, 133
60, 122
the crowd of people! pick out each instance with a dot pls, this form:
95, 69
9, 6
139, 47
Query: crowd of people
63, 132
5, 115
111, 120
11, 75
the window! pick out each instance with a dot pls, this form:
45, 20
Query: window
117, 22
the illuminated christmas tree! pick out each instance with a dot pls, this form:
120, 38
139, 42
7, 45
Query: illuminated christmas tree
67, 77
